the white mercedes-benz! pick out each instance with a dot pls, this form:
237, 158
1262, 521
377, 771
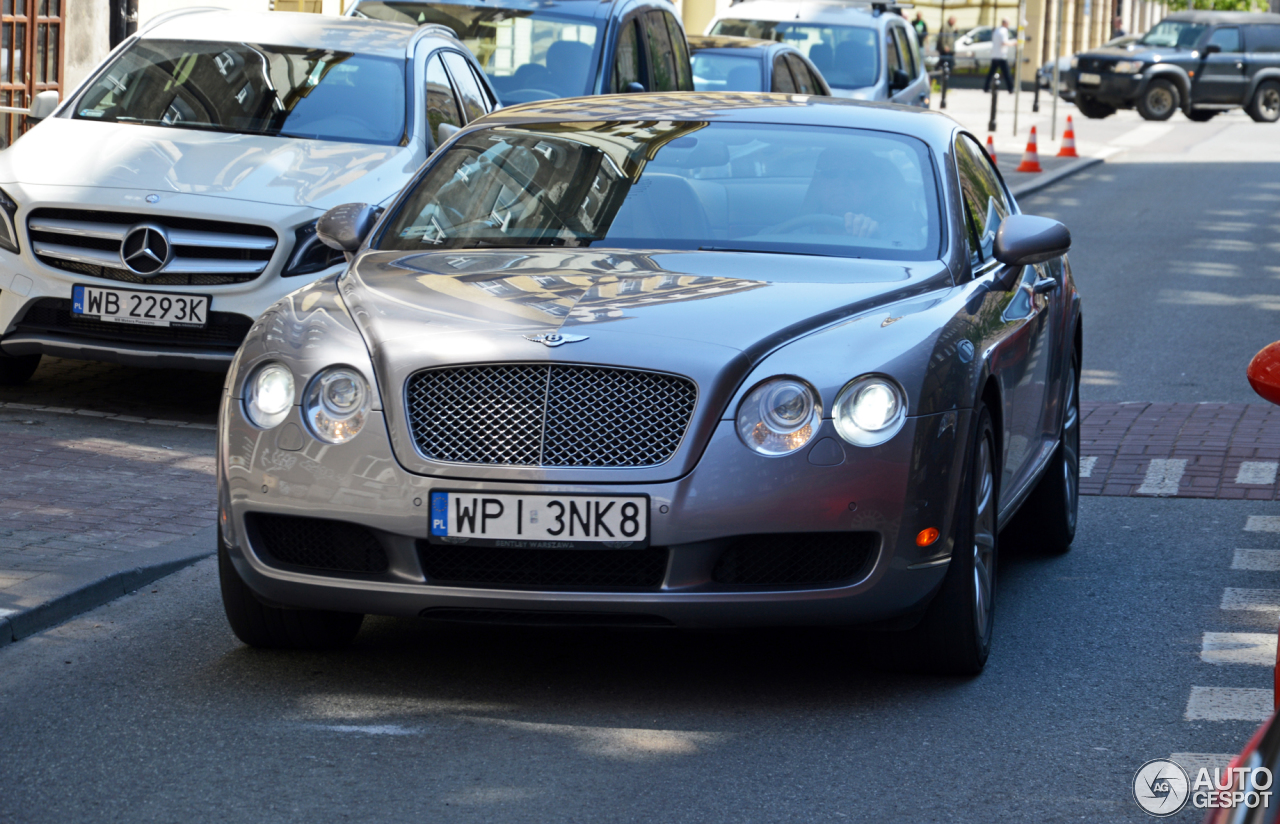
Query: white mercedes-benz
173, 197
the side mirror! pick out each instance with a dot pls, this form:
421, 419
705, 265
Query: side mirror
899, 81
345, 227
1264, 372
445, 131
634, 88
42, 105
1211, 48
1023, 240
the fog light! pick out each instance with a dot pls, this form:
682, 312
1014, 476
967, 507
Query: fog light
926, 537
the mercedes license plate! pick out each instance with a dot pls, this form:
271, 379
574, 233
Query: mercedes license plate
540, 521
140, 308
1089, 79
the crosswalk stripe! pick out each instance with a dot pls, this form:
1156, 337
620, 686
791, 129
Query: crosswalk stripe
1256, 648
1086, 466
1228, 704
1262, 523
1257, 560
1257, 472
1253, 600
1192, 762
1163, 476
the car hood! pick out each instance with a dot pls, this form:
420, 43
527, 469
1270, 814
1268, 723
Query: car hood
275, 170
1134, 52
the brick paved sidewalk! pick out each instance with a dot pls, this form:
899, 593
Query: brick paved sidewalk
1183, 450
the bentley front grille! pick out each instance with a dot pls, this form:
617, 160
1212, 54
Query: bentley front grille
201, 252
549, 415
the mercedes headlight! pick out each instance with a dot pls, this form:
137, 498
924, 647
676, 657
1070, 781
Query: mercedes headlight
779, 416
1129, 67
8, 213
869, 411
336, 404
268, 395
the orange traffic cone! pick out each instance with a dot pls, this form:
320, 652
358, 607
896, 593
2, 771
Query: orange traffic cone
1031, 159
1068, 141
991, 148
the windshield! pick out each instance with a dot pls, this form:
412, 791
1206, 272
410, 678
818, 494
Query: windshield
1173, 34
528, 56
676, 185
847, 56
715, 71
252, 89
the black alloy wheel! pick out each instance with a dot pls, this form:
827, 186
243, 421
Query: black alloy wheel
1265, 105
16, 370
1160, 100
1091, 108
270, 627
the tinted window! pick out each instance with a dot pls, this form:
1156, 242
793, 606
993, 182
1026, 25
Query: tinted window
661, 59
804, 82
799, 189
847, 56
253, 89
465, 82
894, 50
626, 60
441, 105
1262, 38
912, 44
782, 76
984, 199
680, 51
716, 71
1227, 39
1173, 34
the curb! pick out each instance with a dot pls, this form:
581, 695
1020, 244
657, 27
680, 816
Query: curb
1050, 178
52, 598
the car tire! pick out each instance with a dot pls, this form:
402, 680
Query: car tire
1159, 100
954, 637
1265, 105
260, 625
16, 370
1092, 109
1046, 522
1203, 115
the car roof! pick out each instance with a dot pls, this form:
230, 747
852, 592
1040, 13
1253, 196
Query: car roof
1211, 17
934, 128
807, 11
592, 9
276, 28
698, 42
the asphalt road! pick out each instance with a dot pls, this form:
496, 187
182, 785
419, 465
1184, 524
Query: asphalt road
148, 709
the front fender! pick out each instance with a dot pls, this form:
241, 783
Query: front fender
1171, 72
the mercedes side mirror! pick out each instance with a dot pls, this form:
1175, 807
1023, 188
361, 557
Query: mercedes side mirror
42, 105
1264, 372
634, 87
899, 81
445, 131
345, 227
1023, 240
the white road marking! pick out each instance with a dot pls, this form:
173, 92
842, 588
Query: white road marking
1141, 136
1257, 472
1262, 523
1251, 600
1256, 648
1228, 704
1163, 476
367, 729
5, 613
1193, 762
1087, 465
1258, 560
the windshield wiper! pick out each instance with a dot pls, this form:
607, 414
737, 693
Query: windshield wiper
148, 121
769, 251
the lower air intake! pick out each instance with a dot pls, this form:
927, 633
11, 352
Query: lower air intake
462, 566
530, 618
317, 543
796, 559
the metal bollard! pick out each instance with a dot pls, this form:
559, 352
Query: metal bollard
946, 79
996, 80
1035, 101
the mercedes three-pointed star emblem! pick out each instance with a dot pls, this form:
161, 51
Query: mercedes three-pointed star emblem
146, 250
555, 338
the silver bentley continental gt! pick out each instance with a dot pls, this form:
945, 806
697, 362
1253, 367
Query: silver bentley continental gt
695, 360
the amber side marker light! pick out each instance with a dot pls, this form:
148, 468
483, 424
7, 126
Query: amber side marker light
926, 536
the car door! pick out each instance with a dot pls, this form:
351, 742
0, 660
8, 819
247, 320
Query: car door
1261, 54
1014, 321
628, 58
444, 114
1222, 77
780, 79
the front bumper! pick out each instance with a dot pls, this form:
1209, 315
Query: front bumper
894, 490
1119, 90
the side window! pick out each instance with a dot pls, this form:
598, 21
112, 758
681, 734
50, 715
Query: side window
662, 61
441, 105
891, 50
465, 82
782, 82
680, 50
985, 203
1262, 39
626, 60
804, 82
913, 52
1227, 39
490, 102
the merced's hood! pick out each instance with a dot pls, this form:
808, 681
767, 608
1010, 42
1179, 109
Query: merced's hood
276, 170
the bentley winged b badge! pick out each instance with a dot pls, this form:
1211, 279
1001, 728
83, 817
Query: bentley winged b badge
555, 338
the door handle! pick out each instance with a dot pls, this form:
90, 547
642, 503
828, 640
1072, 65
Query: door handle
1044, 286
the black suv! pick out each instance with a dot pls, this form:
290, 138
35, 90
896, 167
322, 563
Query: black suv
1202, 62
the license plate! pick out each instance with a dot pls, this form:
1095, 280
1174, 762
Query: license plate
1089, 78
540, 521
140, 308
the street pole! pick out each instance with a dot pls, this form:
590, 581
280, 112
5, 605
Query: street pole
1017, 67
942, 60
1057, 57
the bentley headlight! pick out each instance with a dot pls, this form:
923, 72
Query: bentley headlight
779, 416
1129, 67
869, 411
336, 404
269, 395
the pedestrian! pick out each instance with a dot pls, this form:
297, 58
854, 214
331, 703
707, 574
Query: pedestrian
1117, 27
921, 27
999, 58
947, 45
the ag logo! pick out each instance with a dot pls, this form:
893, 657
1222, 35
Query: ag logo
1161, 787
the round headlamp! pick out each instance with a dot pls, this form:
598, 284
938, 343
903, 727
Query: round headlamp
268, 395
336, 404
779, 416
869, 411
